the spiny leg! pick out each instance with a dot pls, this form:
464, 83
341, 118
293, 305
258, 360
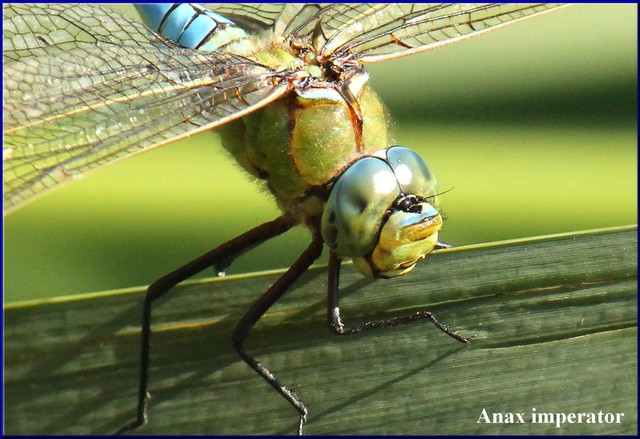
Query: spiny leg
335, 320
258, 309
219, 258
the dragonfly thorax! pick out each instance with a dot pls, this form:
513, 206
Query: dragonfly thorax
301, 143
309, 50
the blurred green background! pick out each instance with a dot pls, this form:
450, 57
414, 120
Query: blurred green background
532, 129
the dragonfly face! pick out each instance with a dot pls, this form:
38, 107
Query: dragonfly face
285, 86
378, 213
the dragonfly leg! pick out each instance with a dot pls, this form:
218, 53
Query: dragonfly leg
220, 258
258, 309
441, 245
338, 327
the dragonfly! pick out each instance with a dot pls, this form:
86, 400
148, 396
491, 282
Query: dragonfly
285, 85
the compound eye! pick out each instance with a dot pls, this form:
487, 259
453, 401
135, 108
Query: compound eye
359, 200
412, 173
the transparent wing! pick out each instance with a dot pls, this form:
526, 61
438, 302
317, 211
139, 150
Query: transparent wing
284, 19
85, 86
253, 17
378, 32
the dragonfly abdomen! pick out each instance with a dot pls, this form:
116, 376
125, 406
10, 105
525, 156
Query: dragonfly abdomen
190, 25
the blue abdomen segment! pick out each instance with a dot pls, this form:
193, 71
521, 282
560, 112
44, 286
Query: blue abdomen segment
189, 25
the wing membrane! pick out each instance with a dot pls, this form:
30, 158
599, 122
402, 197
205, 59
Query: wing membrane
282, 18
85, 86
252, 17
419, 27
378, 32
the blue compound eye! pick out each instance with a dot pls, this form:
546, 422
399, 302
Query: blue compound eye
412, 173
381, 213
354, 212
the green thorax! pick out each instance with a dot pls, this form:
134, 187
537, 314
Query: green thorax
301, 143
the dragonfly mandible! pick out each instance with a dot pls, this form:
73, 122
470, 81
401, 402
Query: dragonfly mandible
286, 87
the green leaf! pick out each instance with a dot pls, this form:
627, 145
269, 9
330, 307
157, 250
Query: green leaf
553, 319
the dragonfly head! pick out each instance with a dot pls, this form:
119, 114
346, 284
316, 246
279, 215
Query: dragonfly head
382, 213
